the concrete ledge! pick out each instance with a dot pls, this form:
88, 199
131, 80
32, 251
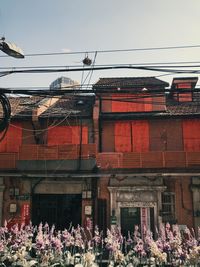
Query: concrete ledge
56, 165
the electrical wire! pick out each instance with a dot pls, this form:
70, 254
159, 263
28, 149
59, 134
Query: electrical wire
4, 122
104, 89
102, 65
168, 69
111, 50
80, 87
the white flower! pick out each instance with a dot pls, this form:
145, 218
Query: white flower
89, 257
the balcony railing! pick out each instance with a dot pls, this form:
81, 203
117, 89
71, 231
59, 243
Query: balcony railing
153, 159
8, 160
42, 152
105, 160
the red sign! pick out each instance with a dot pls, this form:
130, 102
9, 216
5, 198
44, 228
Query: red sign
143, 214
25, 213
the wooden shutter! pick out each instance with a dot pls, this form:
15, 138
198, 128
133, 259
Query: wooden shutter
67, 135
165, 135
131, 103
140, 136
191, 135
185, 97
122, 137
59, 135
12, 139
76, 131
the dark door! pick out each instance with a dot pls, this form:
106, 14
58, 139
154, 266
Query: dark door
102, 211
60, 210
129, 218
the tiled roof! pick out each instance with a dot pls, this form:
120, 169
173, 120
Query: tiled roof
22, 106
75, 106
174, 107
184, 108
129, 82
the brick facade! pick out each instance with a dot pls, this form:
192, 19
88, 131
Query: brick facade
121, 151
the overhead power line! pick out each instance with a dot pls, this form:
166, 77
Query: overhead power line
167, 69
85, 92
4, 122
108, 65
111, 50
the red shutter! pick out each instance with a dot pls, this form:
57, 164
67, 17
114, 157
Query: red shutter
3, 143
140, 136
184, 85
148, 103
59, 135
76, 131
119, 106
12, 139
67, 135
191, 135
85, 135
123, 137
185, 97
123, 106
132, 103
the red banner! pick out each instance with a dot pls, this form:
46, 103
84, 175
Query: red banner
25, 213
143, 215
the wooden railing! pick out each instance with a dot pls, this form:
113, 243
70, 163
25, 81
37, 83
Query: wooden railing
56, 152
8, 160
42, 152
154, 159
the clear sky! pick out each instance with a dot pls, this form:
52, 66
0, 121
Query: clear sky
48, 26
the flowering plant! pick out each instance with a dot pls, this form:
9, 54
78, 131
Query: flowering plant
44, 246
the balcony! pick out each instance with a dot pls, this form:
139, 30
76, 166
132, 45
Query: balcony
71, 157
60, 157
8, 161
148, 160
57, 152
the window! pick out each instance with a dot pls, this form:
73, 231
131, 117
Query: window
185, 88
12, 139
131, 136
131, 103
168, 207
191, 135
67, 135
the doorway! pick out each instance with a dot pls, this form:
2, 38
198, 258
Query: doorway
130, 216
61, 210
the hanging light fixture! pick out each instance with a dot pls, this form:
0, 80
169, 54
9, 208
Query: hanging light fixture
11, 49
87, 61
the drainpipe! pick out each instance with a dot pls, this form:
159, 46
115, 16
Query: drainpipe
96, 121
100, 125
80, 145
94, 201
97, 140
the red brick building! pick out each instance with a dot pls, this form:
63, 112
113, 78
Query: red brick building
127, 154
